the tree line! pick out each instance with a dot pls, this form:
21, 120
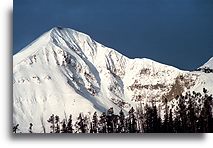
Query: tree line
193, 113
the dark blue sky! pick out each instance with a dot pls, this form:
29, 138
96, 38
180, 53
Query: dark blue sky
174, 32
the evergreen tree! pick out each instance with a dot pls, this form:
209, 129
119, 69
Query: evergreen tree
30, 128
148, 119
69, 128
140, 118
64, 127
94, 126
132, 123
103, 123
166, 118
191, 115
156, 120
110, 120
210, 116
205, 91
152, 121
57, 128
121, 127
205, 120
80, 124
116, 123
177, 124
86, 124
183, 115
51, 120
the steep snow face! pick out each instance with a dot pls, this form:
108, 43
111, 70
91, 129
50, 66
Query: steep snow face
66, 72
208, 64
205, 80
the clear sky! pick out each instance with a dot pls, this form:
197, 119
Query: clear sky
174, 32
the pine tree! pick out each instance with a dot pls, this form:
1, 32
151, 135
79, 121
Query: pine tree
132, 123
94, 126
166, 118
191, 115
140, 118
205, 119
69, 128
205, 91
116, 124
152, 122
80, 124
183, 115
210, 116
156, 120
64, 127
30, 128
51, 120
121, 127
110, 118
57, 128
103, 123
148, 119
177, 124
86, 124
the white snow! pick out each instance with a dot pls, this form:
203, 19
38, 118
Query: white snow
208, 64
66, 72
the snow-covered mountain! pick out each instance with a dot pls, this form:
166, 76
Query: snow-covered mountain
208, 64
207, 67
66, 72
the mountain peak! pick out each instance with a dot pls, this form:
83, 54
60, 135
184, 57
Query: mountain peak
58, 29
208, 64
66, 32
65, 38
56, 32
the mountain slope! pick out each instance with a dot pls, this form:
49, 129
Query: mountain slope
207, 67
208, 64
66, 72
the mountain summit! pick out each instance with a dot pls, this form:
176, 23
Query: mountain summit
66, 72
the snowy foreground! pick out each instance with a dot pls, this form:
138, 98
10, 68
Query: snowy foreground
66, 72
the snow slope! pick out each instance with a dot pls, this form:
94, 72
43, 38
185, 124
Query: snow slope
66, 72
208, 64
